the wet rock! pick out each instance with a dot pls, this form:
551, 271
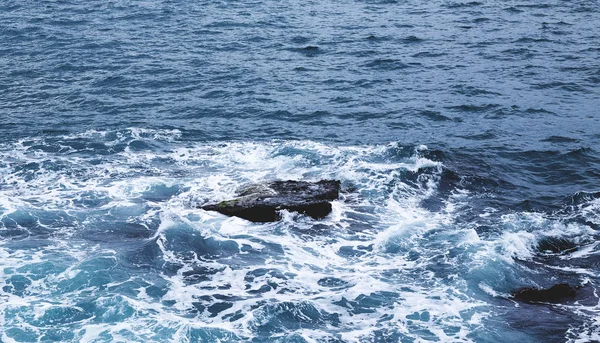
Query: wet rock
262, 202
555, 294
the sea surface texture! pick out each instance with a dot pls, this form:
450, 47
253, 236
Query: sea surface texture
466, 136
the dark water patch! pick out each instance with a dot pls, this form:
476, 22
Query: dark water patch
545, 176
91, 199
391, 335
560, 139
563, 58
64, 315
209, 334
162, 192
530, 40
308, 51
146, 255
188, 243
258, 39
342, 100
481, 20
10, 7
201, 32
561, 293
381, 2
576, 69
437, 116
49, 148
528, 6
420, 316
218, 307
300, 40
264, 273
525, 53
488, 135
473, 108
556, 245
17, 285
539, 204
412, 40
554, 156
139, 145
538, 110
480, 176
375, 38
472, 91
57, 335
386, 64
433, 154
368, 303
369, 83
227, 24
513, 9
353, 252
594, 79
332, 282
364, 53
198, 274
216, 94
429, 54
285, 316
118, 231
22, 334
530, 322
112, 81
417, 179
558, 23
67, 67
571, 268
263, 289
585, 153
461, 5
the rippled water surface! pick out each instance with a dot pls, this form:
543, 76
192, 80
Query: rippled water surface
465, 135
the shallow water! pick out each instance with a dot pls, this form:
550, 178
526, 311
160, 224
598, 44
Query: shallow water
465, 136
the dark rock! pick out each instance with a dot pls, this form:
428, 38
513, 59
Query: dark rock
262, 202
554, 294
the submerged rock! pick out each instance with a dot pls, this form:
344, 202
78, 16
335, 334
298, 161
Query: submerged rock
262, 202
554, 294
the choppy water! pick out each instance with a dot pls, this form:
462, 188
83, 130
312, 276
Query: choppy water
465, 135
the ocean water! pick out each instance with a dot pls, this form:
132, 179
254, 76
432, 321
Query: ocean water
465, 134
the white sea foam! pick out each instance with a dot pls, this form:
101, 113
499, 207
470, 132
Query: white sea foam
379, 262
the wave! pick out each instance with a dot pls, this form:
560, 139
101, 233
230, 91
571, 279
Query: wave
101, 240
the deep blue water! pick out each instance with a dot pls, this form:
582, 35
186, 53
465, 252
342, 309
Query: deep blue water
466, 136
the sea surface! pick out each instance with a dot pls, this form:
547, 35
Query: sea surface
466, 136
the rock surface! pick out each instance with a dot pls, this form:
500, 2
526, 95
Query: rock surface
262, 202
554, 294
